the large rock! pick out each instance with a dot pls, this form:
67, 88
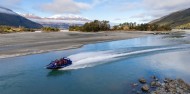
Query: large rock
154, 84
142, 80
145, 88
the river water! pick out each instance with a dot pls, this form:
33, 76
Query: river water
101, 68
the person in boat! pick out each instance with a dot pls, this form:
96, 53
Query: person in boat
56, 62
59, 63
63, 61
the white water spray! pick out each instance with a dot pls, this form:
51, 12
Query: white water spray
90, 59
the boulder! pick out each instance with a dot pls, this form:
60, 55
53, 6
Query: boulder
142, 80
154, 84
145, 88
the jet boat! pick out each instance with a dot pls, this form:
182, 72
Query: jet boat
61, 63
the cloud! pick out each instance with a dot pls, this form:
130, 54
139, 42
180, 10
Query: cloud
153, 9
117, 19
158, 8
10, 3
97, 2
166, 4
69, 6
65, 6
127, 6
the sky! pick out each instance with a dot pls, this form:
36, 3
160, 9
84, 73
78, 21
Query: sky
116, 11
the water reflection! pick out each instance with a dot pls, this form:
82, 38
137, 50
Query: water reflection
175, 36
55, 73
178, 61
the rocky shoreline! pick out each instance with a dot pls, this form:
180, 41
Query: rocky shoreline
166, 86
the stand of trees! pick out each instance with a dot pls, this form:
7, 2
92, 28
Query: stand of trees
141, 27
184, 26
153, 27
94, 26
50, 29
10, 29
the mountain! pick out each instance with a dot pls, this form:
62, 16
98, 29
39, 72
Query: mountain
10, 18
58, 21
176, 19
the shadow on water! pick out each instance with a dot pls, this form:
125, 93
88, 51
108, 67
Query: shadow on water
174, 36
10, 76
55, 73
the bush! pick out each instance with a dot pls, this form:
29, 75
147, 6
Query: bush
50, 29
75, 28
9, 29
141, 27
94, 26
184, 26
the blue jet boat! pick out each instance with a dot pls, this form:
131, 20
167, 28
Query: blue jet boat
61, 63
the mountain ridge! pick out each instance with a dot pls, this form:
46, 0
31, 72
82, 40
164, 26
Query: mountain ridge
11, 18
174, 19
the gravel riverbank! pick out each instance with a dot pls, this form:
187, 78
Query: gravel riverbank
17, 44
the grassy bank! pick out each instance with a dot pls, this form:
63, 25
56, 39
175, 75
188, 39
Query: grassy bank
9, 29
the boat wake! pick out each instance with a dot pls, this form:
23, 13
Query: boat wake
90, 59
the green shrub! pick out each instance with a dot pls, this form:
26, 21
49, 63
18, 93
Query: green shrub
184, 26
9, 29
94, 26
50, 29
141, 27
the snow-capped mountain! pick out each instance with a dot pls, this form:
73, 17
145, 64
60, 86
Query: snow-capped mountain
11, 18
30, 16
69, 17
58, 21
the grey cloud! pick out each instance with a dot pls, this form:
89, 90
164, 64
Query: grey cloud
65, 6
156, 8
10, 3
69, 6
159, 8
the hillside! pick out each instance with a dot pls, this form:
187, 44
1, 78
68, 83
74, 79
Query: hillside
175, 19
10, 18
184, 26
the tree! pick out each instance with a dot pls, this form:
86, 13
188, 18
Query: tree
94, 26
50, 29
141, 27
